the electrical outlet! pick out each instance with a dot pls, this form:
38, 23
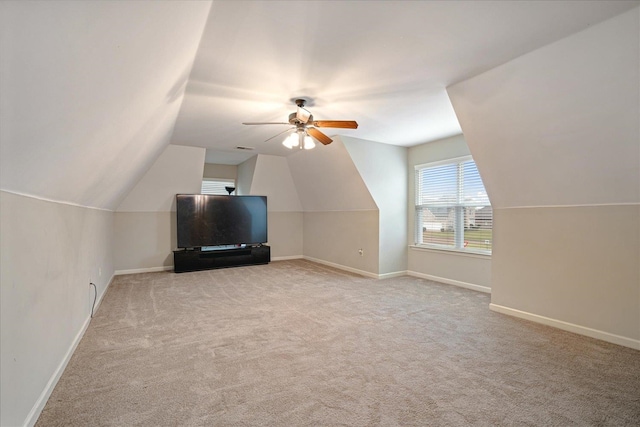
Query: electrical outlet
361, 252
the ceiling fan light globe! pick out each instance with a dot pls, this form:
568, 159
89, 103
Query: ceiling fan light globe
291, 141
308, 143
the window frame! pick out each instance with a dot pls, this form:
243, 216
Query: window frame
459, 206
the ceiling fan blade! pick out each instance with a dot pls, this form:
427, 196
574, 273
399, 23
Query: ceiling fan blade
275, 136
319, 136
343, 124
265, 123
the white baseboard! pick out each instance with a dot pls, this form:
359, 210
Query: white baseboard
566, 326
392, 274
342, 267
280, 258
355, 270
37, 408
465, 285
286, 258
144, 270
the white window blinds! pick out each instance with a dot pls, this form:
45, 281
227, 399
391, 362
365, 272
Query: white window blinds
216, 186
452, 207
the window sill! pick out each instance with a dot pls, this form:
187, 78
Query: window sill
467, 253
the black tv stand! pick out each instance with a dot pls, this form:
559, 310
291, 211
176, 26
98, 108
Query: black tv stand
196, 259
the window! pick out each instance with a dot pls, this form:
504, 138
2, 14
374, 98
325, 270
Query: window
452, 207
216, 186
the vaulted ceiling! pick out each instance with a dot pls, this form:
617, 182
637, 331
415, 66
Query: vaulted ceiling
385, 64
92, 92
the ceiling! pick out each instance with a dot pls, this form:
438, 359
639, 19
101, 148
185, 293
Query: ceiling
385, 64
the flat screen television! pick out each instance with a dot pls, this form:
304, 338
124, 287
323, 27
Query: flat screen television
213, 220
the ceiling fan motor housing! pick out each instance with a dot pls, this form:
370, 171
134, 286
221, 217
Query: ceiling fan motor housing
294, 120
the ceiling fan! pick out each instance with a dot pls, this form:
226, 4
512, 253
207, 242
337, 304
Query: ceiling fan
306, 127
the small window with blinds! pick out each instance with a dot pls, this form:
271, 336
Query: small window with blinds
216, 186
452, 207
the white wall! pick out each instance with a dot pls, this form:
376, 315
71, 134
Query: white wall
327, 180
76, 134
340, 216
49, 252
473, 271
285, 231
214, 170
272, 178
245, 176
383, 169
555, 134
265, 175
177, 170
78, 131
145, 222
144, 241
578, 265
335, 237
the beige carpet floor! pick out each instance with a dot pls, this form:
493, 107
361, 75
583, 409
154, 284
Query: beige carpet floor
295, 343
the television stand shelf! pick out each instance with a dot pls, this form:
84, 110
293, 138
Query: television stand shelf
196, 259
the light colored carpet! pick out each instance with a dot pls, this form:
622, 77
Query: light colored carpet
294, 343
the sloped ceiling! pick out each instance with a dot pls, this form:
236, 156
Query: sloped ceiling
560, 122
385, 64
327, 180
90, 92
178, 170
272, 178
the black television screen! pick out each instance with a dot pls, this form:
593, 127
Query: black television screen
212, 220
